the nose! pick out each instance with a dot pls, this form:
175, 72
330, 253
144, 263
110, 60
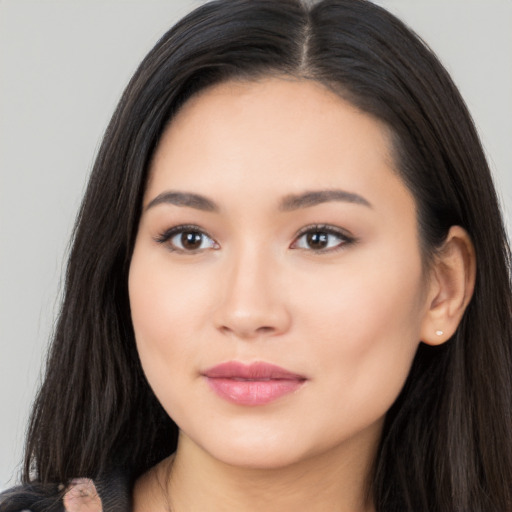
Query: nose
253, 299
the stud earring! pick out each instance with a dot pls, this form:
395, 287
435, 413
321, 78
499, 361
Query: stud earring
439, 333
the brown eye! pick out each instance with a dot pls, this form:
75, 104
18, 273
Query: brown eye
186, 239
317, 240
191, 240
322, 239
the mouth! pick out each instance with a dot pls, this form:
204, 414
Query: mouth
253, 384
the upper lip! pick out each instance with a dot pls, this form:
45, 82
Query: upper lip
252, 371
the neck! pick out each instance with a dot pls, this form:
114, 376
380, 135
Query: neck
193, 480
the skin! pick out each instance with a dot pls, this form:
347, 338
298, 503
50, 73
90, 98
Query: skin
348, 317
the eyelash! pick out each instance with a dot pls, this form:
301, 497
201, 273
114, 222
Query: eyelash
342, 235
168, 235
323, 229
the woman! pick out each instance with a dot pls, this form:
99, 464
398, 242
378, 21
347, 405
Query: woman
289, 285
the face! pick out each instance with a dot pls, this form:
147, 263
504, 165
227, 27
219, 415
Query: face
276, 287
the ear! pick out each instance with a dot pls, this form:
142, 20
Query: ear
451, 285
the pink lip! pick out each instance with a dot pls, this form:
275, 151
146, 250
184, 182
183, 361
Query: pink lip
254, 384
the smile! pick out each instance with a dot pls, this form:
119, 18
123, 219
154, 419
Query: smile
254, 384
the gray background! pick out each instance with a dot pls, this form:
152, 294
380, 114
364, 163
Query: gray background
63, 65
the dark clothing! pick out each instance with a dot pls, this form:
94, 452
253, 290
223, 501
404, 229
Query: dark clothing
113, 491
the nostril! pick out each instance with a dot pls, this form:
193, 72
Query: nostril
247, 332
264, 330
225, 330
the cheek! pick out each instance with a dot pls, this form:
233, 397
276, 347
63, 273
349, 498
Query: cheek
363, 315
365, 328
167, 307
164, 296
377, 292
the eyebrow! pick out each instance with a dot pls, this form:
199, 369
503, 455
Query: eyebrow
316, 197
289, 203
184, 199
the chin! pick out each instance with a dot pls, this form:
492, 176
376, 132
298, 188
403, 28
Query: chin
261, 457
256, 448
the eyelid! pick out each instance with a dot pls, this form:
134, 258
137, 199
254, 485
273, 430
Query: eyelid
168, 234
345, 237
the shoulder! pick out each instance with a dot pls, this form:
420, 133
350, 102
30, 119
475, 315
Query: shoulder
108, 494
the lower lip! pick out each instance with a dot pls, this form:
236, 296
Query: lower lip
253, 392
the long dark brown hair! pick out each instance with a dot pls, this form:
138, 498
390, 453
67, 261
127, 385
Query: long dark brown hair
447, 440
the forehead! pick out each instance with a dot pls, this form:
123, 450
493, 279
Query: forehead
275, 136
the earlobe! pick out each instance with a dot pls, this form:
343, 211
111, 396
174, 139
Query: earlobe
452, 281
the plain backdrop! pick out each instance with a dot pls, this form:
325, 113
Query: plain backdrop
63, 66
